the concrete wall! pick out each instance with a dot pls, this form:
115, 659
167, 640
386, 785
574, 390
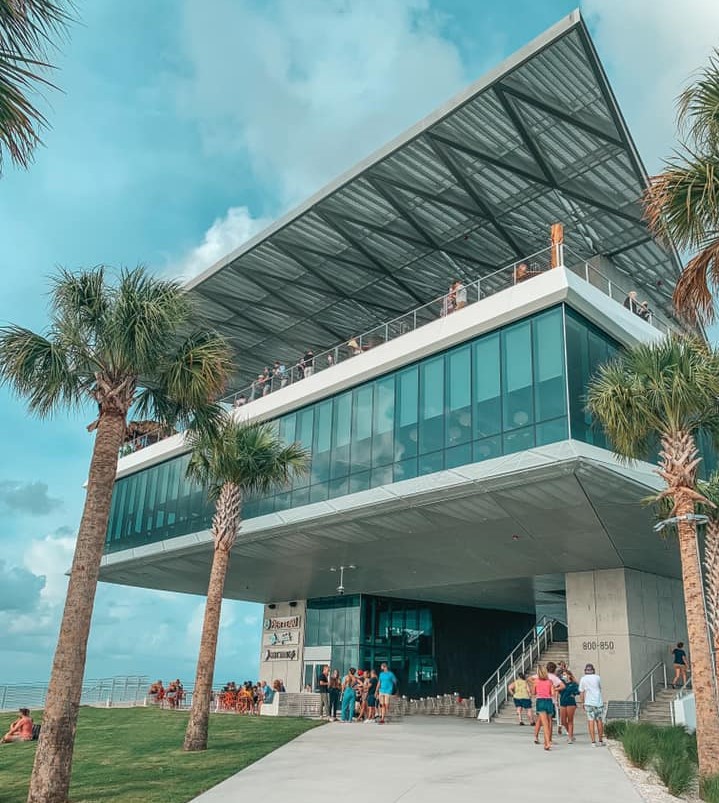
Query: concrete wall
623, 622
283, 640
657, 619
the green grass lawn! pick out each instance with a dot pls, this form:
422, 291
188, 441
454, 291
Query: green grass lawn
135, 754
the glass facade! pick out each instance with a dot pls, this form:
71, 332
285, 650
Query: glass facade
431, 647
501, 392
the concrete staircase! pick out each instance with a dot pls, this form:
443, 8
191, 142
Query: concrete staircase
556, 652
658, 711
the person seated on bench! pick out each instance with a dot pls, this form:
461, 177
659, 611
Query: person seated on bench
20, 730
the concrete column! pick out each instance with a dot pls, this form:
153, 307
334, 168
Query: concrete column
282, 646
623, 621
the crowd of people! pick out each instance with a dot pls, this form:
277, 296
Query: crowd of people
551, 695
248, 697
172, 696
361, 695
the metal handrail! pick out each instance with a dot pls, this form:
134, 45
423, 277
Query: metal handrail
649, 676
520, 659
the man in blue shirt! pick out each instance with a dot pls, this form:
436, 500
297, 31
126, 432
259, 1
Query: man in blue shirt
387, 687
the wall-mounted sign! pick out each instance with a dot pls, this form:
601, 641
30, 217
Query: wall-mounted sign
280, 655
285, 623
280, 638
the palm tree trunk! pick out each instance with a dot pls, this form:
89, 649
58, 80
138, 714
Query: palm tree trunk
50, 780
711, 581
196, 734
699, 642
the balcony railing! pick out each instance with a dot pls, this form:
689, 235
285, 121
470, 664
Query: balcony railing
455, 299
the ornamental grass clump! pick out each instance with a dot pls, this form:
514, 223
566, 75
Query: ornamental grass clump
709, 788
614, 729
672, 761
639, 743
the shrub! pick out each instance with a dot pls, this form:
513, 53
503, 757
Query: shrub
614, 729
692, 749
709, 788
639, 743
675, 769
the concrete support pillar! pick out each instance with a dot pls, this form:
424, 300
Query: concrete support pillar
623, 621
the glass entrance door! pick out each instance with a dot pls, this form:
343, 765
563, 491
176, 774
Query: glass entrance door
311, 676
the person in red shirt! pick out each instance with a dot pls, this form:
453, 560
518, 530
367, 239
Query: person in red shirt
20, 730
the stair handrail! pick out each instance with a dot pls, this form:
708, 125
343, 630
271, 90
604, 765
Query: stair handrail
650, 678
520, 659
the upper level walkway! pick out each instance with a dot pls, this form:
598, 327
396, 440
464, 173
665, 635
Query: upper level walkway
425, 759
279, 376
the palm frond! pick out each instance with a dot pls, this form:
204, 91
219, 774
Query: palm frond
698, 107
145, 311
37, 368
28, 30
693, 297
656, 390
29, 27
682, 203
251, 456
196, 372
81, 297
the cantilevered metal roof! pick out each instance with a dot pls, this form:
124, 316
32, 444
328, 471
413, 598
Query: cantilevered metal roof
469, 189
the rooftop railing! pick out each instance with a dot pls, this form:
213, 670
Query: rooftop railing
455, 299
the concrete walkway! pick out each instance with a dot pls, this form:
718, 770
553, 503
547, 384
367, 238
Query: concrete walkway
425, 759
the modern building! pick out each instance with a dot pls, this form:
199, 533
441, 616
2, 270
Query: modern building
455, 475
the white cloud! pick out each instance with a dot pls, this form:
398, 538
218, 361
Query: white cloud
51, 556
651, 48
306, 89
223, 236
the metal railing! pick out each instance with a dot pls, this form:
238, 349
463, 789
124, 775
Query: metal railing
121, 690
650, 680
511, 274
594, 276
520, 659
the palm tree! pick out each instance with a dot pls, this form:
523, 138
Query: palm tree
27, 30
682, 203
122, 345
664, 394
236, 460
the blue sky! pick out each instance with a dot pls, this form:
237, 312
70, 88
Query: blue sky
183, 127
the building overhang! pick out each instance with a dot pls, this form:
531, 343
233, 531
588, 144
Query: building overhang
469, 189
476, 535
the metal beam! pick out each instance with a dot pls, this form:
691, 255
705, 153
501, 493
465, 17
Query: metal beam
483, 205
353, 241
544, 104
532, 177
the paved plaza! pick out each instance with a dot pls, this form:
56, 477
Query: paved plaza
428, 759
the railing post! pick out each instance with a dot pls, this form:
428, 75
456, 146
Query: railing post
4, 696
664, 667
652, 696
